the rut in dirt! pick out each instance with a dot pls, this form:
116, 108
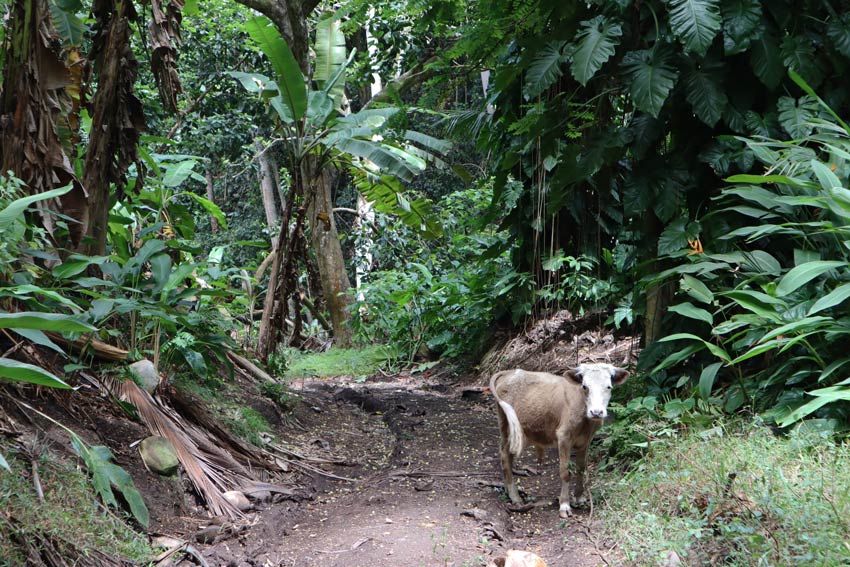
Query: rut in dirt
427, 489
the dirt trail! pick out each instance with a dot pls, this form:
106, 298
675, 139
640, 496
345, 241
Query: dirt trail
427, 490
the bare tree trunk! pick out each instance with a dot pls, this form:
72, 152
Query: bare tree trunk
211, 197
268, 186
324, 239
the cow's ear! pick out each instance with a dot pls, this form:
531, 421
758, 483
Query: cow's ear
620, 376
574, 375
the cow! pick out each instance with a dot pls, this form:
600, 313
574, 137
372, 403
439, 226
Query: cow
550, 410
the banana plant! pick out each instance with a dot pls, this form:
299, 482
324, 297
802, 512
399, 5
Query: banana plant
312, 123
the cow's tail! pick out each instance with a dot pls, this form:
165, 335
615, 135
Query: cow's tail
516, 439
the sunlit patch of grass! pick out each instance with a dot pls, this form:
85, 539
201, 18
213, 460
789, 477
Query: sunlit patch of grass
743, 498
247, 424
70, 512
337, 362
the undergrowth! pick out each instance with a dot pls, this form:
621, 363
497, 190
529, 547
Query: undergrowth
70, 512
734, 496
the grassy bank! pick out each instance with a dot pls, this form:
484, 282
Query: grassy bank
69, 520
734, 496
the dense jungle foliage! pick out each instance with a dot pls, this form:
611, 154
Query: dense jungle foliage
679, 167
184, 180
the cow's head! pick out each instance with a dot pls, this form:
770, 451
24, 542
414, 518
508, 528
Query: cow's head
597, 380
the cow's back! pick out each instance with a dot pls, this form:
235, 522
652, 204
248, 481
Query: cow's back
543, 402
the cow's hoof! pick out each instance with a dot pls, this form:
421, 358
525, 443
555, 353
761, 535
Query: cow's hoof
565, 511
581, 502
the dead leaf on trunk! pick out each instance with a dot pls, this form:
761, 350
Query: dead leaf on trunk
35, 105
164, 29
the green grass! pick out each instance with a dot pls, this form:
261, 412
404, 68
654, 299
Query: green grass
247, 423
336, 362
743, 498
70, 512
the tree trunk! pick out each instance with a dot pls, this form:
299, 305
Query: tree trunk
268, 187
33, 100
324, 239
117, 117
211, 198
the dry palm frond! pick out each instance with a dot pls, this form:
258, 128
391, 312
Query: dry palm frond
251, 455
211, 470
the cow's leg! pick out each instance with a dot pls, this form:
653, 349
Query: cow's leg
579, 499
507, 459
565, 447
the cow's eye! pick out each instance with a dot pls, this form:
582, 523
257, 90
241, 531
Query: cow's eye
609, 387
583, 387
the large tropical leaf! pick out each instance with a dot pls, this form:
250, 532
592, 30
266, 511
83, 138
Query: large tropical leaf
741, 24
835, 297
695, 23
650, 76
66, 22
386, 194
330, 56
798, 54
426, 141
23, 372
290, 80
838, 32
796, 116
13, 211
595, 43
766, 60
44, 322
800, 275
385, 160
254, 82
705, 92
545, 68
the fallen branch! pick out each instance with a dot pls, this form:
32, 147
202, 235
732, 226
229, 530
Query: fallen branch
98, 348
250, 367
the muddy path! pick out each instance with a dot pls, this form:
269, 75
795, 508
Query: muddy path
425, 488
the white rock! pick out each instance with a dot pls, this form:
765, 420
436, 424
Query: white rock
145, 374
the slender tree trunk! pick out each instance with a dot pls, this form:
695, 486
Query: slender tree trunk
268, 187
326, 246
211, 197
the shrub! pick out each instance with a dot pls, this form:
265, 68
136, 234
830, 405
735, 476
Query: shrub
765, 305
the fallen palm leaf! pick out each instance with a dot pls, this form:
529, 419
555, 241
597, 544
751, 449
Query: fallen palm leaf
211, 471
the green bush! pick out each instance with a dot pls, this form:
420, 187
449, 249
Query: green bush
764, 309
743, 498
